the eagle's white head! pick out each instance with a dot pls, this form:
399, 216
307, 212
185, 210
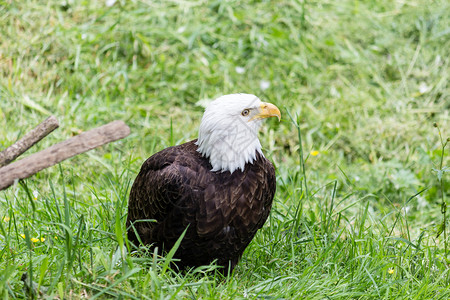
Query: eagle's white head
228, 133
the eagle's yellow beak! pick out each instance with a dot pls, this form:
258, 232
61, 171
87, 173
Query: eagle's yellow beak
267, 110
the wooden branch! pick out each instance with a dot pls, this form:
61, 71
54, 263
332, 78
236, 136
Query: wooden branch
31, 138
78, 144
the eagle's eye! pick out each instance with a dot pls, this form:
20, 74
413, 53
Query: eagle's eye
245, 112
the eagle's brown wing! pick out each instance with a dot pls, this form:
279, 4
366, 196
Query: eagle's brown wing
157, 189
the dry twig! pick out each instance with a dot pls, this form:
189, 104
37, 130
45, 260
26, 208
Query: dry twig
78, 144
31, 138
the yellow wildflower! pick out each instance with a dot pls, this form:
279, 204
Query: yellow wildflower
6, 219
314, 153
36, 240
391, 271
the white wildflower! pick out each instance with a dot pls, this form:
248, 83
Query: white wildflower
110, 3
264, 85
240, 70
424, 88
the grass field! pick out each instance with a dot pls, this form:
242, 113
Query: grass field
363, 80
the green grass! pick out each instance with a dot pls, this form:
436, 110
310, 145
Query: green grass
364, 82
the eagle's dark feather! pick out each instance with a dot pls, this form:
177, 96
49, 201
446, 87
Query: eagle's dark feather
223, 210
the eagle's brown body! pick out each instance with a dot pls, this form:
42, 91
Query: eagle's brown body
176, 188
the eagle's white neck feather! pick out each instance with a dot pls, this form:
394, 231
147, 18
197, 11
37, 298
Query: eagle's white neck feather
226, 137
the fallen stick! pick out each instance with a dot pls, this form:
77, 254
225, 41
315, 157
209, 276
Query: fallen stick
31, 138
51, 156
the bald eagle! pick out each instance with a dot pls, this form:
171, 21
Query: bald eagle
219, 186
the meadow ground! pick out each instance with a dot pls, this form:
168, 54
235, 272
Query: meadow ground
363, 80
